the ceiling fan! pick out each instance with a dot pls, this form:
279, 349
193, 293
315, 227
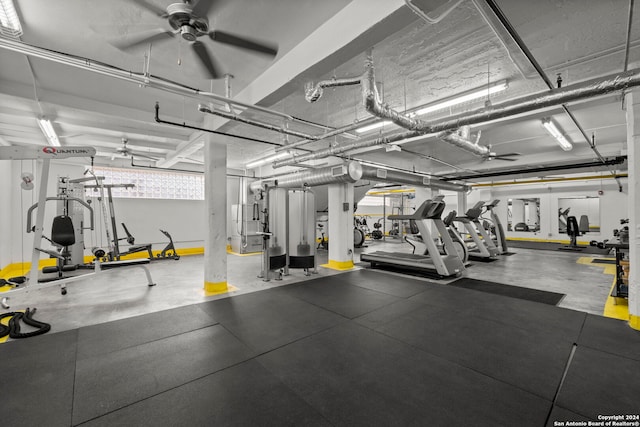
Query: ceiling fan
189, 21
506, 156
125, 151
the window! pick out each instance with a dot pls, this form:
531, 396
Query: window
150, 184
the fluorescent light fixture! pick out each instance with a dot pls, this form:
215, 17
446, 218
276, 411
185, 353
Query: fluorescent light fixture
9, 22
470, 96
429, 108
49, 132
373, 126
268, 159
555, 132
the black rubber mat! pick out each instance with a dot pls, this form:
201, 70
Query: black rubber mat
356, 376
392, 284
599, 383
360, 348
529, 359
269, 319
339, 296
109, 382
37, 380
107, 337
243, 395
509, 253
553, 321
536, 295
560, 416
611, 336
603, 261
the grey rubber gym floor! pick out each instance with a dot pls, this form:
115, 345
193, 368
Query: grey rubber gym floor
361, 348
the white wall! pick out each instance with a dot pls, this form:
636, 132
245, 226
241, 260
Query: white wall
183, 219
613, 205
6, 212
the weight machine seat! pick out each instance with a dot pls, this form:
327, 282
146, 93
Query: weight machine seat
583, 225
62, 231
572, 226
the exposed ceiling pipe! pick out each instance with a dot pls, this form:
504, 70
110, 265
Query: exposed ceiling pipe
346, 172
140, 79
231, 116
628, 41
462, 140
386, 175
352, 172
504, 21
335, 132
332, 151
313, 92
615, 161
587, 89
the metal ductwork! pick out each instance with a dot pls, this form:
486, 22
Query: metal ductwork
347, 172
352, 172
388, 175
461, 139
576, 92
313, 93
332, 151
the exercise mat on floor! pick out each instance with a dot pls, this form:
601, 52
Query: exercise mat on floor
536, 295
508, 253
603, 261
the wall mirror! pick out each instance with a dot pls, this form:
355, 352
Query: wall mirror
586, 210
523, 215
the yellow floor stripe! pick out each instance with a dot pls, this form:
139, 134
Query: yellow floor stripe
615, 308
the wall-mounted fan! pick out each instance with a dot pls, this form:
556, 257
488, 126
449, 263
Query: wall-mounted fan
189, 21
125, 151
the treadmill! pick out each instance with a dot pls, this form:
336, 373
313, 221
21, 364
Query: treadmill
484, 246
444, 265
500, 238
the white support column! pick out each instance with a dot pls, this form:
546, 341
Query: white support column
462, 203
215, 241
340, 226
633, 153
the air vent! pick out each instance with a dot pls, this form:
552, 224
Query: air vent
381, 173
426, 180
338, 171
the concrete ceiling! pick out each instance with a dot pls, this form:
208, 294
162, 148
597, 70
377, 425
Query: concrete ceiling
416, 63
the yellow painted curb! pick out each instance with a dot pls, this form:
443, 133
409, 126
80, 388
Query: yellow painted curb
634, 322
339, 265
211, 288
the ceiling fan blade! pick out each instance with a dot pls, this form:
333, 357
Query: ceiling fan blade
203, 7
133, 40
508, 159
244, 42
207, 60
151, 8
